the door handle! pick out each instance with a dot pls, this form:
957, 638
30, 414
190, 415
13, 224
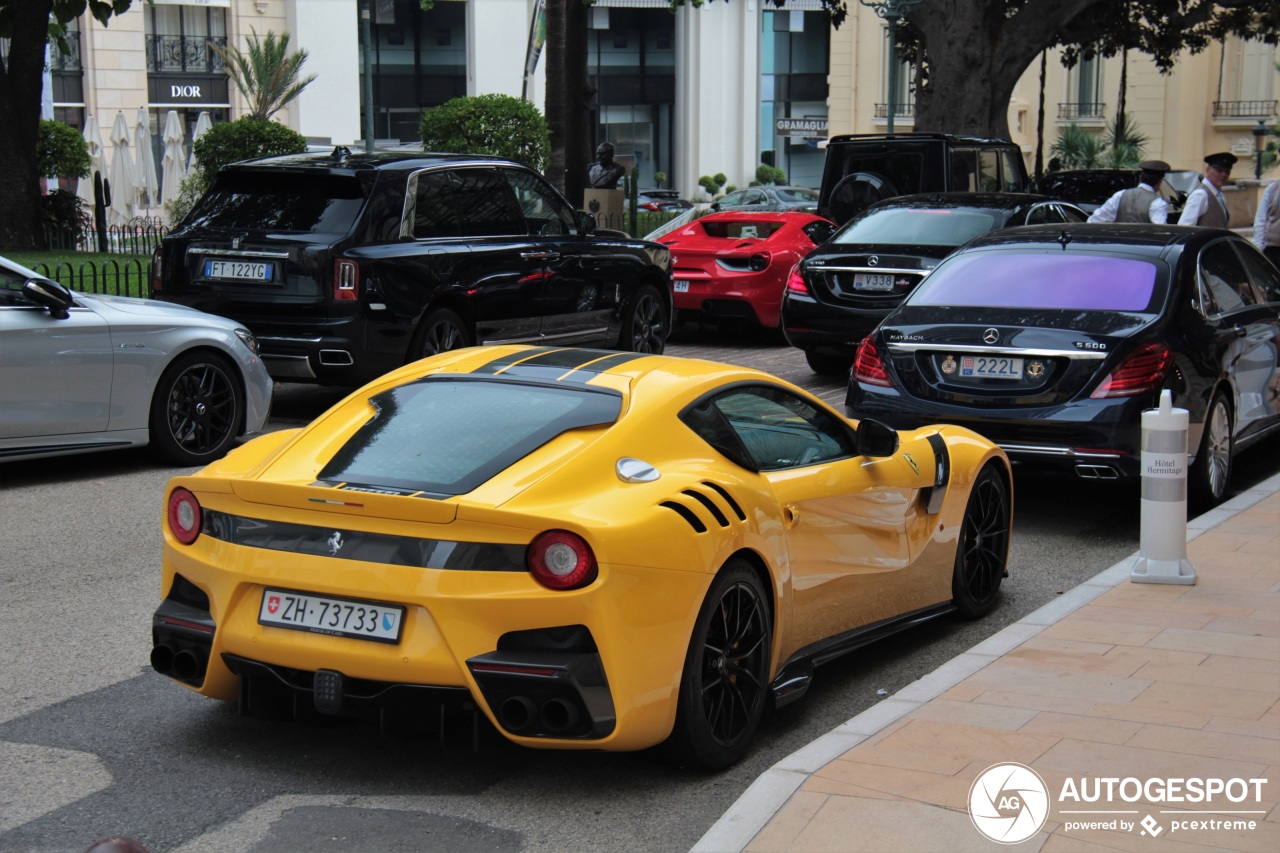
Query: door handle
539, 256
1242, 332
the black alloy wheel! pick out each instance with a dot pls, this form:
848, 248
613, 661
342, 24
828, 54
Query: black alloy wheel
196, 411
1211, 473
982, 551
726, 673
645, 325
440, 331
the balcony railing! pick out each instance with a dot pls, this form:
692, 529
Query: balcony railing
899, 110
1244, 109
1081, 109
169, 54
69, 62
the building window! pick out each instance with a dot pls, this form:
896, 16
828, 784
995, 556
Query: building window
67, 76
1084, 92
904, 97
178, 38
1246, 81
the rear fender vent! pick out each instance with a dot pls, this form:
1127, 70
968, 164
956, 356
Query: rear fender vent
707, 511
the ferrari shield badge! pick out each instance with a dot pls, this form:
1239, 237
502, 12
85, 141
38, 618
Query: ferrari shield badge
911, 462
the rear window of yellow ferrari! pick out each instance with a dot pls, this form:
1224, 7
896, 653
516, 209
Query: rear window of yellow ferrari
445, 435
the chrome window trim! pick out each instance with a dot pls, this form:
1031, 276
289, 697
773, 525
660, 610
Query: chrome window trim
236, 253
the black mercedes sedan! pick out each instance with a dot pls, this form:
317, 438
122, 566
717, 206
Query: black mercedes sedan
1052, 340
842, 289
349, 264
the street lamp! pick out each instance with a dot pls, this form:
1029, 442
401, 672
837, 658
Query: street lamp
1259, 145
892, 11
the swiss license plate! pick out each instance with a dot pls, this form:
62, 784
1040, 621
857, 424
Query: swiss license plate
682, 287
240, 270
872, 281
991, 367
338, 617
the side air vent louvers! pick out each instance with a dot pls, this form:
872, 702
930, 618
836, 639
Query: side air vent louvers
709, 504
737, 510
687, 514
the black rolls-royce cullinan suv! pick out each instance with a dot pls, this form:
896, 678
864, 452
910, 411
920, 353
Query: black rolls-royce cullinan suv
1052, 340
347, 265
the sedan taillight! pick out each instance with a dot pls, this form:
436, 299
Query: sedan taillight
867, 365
1142, 370
795, 282
561, 560
156, 280
346, 280
184, 516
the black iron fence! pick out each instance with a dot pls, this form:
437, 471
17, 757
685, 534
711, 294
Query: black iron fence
140, 236
132, 277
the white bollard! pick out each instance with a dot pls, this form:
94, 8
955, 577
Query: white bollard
1162, 554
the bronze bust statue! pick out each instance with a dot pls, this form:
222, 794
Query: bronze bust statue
605, 172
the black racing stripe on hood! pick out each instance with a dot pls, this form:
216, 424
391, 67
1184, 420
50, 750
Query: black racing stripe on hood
360, 545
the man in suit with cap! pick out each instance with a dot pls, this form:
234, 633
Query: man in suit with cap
1141, 203
1205, 205
1266, 223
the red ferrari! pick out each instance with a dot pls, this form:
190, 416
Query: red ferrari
734, 265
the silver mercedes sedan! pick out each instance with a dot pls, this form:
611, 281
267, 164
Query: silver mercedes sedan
82, 372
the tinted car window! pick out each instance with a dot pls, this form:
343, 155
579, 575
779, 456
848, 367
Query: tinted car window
797, 195
776, 429
485, 204
988, 172
261, 200
1224, 285
446, 435
1010, 181
964, 170
434, 214
543, 210
904, 170
1266, 279
735, 230
904, 226
1043, 281
819, 231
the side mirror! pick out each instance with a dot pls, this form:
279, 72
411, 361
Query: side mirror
49, 294
586, 223
876, 438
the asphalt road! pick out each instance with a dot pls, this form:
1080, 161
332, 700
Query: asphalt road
92, 743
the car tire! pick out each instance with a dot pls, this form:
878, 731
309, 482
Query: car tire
725, 682
197, 409
1211, 473
439, 331
982, 547
645, 322
825, 364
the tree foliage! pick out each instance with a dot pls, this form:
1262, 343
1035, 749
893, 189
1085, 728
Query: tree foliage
61, 151
267, 75
499, 125
246, 138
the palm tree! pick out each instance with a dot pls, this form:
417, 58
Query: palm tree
268, 76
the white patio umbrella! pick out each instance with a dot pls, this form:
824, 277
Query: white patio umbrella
203, 123
144, 162
123, 187
174, 163
97, 159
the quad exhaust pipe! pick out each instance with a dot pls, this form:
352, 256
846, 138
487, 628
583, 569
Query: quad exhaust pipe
554, 716
183, 664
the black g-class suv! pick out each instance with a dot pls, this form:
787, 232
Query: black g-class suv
347, 265
862, 169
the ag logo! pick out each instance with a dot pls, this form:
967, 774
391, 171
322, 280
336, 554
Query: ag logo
1008, 803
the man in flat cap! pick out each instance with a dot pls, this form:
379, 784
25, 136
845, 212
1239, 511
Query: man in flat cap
1206, 206
1141, 203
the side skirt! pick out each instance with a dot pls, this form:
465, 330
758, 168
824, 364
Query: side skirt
795, 676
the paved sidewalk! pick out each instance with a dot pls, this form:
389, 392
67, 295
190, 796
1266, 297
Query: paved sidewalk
1113, 680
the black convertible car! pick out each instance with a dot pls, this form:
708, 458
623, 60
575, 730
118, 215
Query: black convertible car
1052, 340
